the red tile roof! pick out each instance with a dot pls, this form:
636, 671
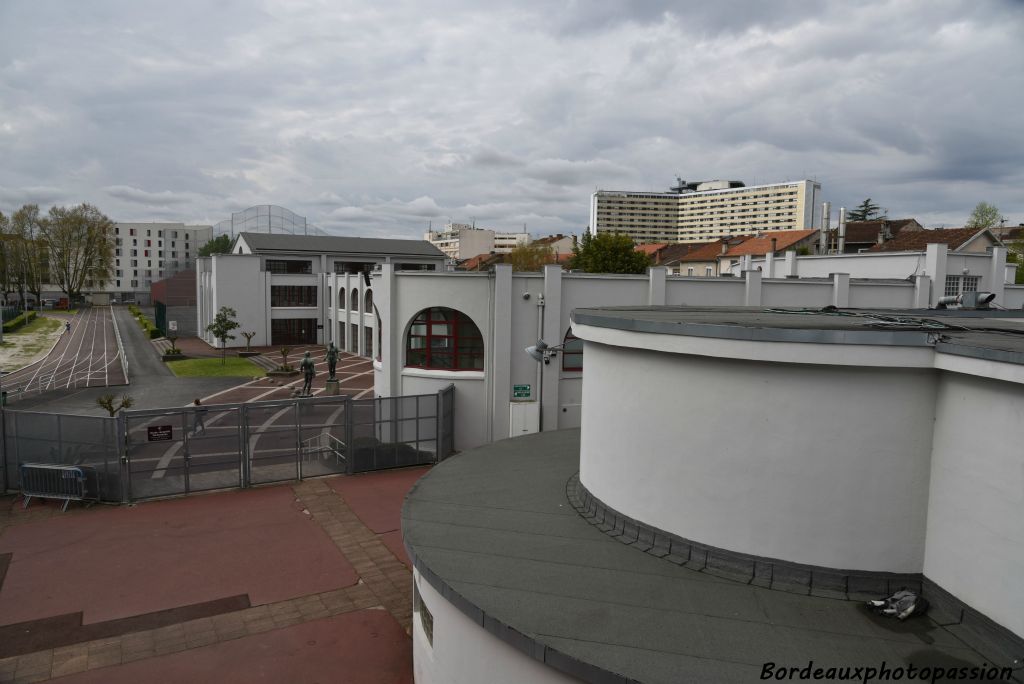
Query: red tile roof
918, 240
707, 251
762, 243
651, 249
863, 232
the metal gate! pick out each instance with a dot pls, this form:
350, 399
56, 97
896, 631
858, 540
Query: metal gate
178, 451
145, 454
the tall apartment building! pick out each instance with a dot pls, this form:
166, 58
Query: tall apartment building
147, 252
461, 240
698, 212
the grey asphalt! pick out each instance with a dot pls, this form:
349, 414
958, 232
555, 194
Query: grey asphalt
492, 529
152, 385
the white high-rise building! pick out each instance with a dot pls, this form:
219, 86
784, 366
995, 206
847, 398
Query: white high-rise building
699, 212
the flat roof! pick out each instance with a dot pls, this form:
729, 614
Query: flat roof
994, 335
338, 244
493, 531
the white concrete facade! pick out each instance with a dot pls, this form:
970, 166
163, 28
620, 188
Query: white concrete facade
336, 304
508, 321
461, 652
853, 457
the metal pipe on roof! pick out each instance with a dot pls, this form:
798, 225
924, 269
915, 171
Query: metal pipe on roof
826, 222
842, 230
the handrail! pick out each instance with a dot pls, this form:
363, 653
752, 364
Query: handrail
120, 346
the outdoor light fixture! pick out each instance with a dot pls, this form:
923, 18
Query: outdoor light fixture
542, 352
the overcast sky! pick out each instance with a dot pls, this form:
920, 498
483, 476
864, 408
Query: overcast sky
376, 118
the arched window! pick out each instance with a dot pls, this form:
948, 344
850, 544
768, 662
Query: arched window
444, 339
341, 297
572, 353
369, 301
355, 299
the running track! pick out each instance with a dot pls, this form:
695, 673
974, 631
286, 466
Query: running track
87, 357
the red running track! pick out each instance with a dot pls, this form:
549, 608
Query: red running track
88, 356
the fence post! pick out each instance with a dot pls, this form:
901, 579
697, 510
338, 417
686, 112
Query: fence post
121, 449
3, 447
298, 440
439, 430
350, 435
243, 451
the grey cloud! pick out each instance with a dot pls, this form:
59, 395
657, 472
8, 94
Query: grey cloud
377, 118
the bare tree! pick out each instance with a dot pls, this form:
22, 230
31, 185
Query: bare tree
31, 250
81, 251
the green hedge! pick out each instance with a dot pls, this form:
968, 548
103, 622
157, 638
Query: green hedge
18, 321
147, 325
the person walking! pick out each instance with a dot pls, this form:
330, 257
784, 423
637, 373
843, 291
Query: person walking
198, 411
67, 326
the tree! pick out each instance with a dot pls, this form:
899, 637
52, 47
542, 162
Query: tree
81, 247
223, 323
218, 245
866, 211
31, 252
985, 215
248, 339
531, 257
107, 402
608, 253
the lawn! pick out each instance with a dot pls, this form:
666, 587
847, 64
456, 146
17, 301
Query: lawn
235, 368
29, 342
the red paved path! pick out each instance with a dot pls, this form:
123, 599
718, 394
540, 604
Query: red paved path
364, 647
120, 562
376, 498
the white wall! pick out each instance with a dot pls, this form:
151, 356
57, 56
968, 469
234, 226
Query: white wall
464, 652
818, 465
975, 542
238, 282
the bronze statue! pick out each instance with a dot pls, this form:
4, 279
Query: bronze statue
308, 372
332, 359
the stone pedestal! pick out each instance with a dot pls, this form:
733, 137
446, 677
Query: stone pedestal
331, 390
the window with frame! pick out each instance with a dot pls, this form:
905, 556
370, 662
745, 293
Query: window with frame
971, 283
293, 295
952, 285
572, 353
444, 339
289, 266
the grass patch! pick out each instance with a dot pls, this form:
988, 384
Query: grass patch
40, 324
234, 368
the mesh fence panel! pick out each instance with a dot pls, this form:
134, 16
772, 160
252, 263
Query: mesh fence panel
181, 450
90, 441
273, 443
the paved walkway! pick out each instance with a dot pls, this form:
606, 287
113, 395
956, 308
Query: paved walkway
170, 591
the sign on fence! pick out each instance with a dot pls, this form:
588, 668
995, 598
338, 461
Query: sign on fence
520, 391
172, 326
159, 433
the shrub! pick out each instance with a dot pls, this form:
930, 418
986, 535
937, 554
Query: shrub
154, 333
19, 320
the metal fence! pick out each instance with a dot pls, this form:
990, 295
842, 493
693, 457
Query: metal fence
151, 453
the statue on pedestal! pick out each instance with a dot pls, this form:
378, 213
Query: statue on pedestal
308, 373
332, 359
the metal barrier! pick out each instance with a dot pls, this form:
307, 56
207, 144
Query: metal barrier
144, 454
48, 481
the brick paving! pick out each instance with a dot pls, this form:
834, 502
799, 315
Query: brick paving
384, 583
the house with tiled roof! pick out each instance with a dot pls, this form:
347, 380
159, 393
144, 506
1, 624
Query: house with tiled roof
559, 244
963, 240
701, 258
862, 235
758, 245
